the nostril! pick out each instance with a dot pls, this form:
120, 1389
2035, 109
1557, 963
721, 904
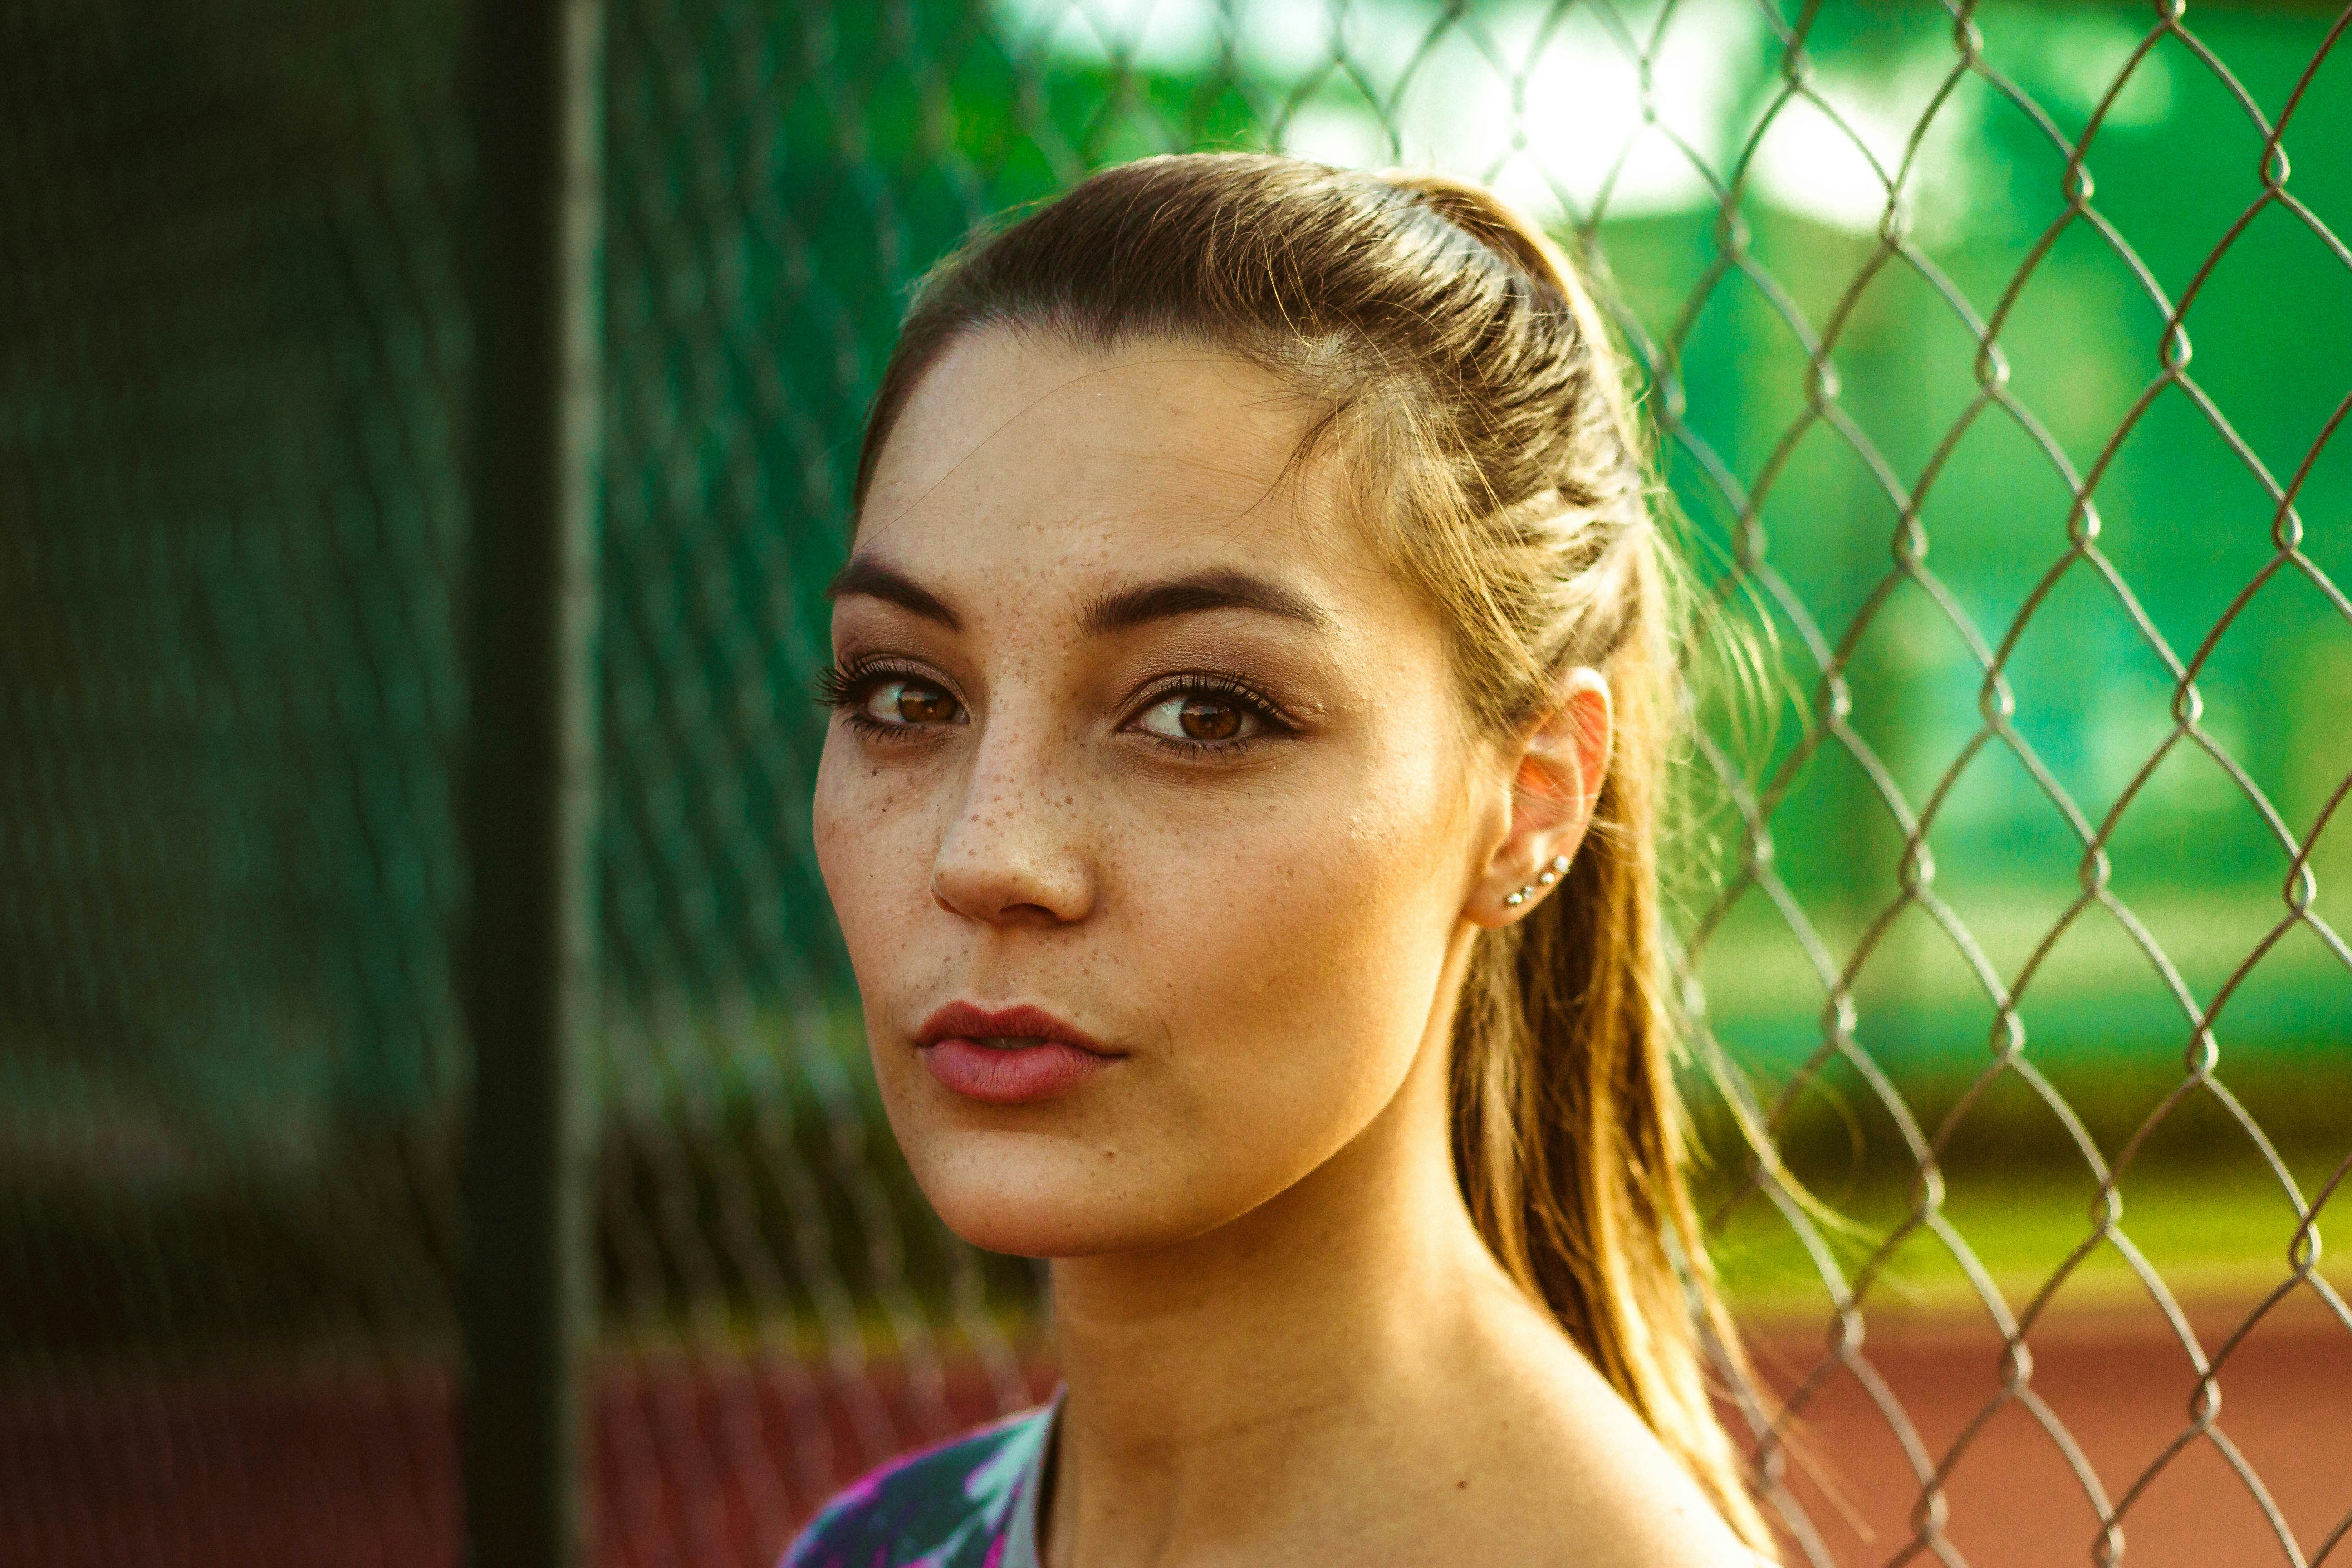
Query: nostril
1014, 895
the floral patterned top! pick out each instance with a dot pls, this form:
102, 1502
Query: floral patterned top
971, 1502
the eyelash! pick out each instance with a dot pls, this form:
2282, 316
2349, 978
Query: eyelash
845, 688
1274, 724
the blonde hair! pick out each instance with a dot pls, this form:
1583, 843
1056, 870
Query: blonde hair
1461, 369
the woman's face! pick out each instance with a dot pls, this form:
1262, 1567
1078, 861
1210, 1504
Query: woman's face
1150, 811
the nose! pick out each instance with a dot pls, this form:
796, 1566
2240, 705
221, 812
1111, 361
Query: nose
1012, 856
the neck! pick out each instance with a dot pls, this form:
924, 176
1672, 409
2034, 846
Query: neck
1354, 1261
1308, 1327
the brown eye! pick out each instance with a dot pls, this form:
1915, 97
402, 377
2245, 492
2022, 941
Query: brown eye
903, 704
1205, 720
1201, 716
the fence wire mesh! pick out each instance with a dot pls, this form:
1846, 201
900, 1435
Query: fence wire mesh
2021, 919
231, 369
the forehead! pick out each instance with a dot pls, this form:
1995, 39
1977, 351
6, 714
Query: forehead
1025, 452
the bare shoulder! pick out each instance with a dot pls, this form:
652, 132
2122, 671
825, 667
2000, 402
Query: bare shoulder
1577, 1479
1626, 1502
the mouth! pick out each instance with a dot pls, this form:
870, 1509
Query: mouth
1013, 1055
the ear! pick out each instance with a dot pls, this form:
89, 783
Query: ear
1558, 765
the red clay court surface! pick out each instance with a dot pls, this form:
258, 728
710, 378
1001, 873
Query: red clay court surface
713, 1466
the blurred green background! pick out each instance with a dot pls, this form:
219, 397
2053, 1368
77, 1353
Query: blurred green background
1914, 408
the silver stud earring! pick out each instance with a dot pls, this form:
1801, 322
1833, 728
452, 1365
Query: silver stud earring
1549, 875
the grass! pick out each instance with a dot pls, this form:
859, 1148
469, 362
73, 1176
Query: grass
2213, 1237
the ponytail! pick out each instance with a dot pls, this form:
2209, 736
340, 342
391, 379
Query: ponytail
1569, 1137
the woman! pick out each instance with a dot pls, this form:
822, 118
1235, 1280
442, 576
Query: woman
1254, 674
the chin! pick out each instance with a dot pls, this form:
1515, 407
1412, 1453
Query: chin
1036, 1195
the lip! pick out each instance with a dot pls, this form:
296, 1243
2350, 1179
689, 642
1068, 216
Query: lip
952, 1044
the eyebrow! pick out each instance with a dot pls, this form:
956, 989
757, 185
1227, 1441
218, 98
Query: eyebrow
1217, 589
1221, 588
866, 575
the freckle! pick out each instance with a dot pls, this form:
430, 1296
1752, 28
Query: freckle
1110, 1153
1461, 1486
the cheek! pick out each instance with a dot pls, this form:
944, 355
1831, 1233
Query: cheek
1305, 917
1293, 961
875, 846
843, 853
1315, 894
842, 780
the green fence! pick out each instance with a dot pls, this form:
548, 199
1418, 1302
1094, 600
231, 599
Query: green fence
2002, 356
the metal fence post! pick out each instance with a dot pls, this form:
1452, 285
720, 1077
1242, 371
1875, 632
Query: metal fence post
530, 985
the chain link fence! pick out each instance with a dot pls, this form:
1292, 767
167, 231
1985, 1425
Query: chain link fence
2000, 356
233, 368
